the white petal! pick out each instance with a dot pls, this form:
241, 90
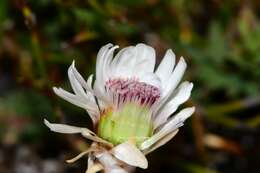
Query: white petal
83, 99
62, 128
75, 84
89, 81
110, 163
107, 63
161, 142
182, 95
122, 58
103, 72
100, 60
130, 154
88, 103
165, 68
179, 118
174, 123
152, 79
176, 75
134, 61
123, 63
106, 159
69, 97
94, 116
117, 169
100, 81
101, 104
173, 81
67, 129
80, 79
145, 59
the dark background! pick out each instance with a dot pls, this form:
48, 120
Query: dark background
220, 41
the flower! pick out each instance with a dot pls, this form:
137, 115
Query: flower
130, 104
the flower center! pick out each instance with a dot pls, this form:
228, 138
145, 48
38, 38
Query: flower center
130, 118
131, 90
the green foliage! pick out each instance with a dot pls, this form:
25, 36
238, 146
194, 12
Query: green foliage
26, 109
26, 103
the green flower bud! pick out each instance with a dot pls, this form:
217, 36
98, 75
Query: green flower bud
131, 122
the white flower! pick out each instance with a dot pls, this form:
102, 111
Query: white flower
130, 105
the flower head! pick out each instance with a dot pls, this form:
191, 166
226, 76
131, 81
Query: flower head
130, 104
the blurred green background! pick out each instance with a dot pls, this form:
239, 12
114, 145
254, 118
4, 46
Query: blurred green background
220, 41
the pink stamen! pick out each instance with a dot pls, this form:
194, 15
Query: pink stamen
131, 90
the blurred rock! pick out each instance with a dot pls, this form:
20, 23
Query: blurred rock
25, 161
52, 166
